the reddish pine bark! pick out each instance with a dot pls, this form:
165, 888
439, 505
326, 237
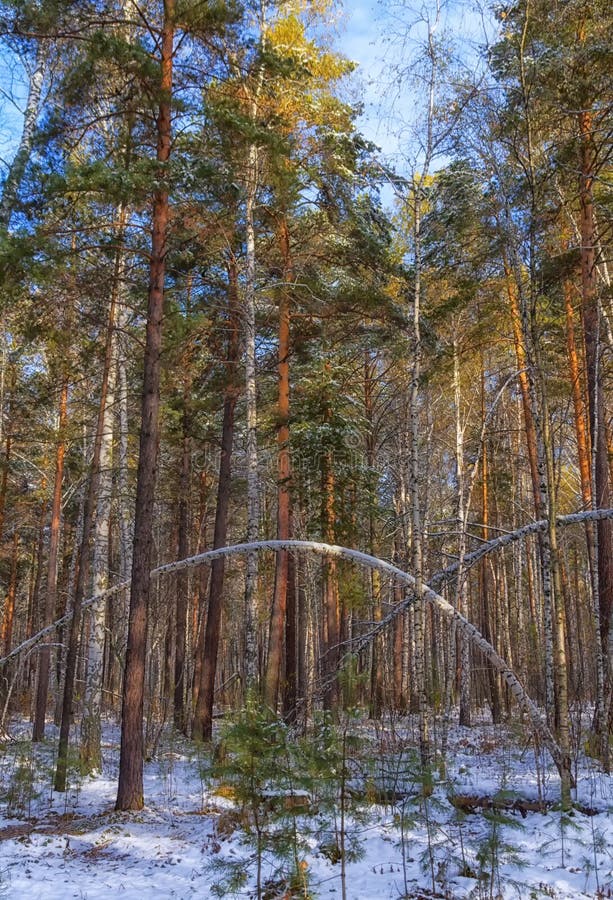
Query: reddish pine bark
130, 788
591, 326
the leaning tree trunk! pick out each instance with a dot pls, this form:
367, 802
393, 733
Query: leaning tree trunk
130, 788
444, 608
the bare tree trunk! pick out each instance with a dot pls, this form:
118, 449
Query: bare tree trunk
376, 663
130, 788
203, 712
462, 518
91, 732
253, 481
488, 612
42, 688
279, 603
603, 602
83, 572
417, 549
8, 615
182, 586
292, 659
331, 614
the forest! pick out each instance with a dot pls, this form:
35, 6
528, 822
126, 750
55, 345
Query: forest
306, 448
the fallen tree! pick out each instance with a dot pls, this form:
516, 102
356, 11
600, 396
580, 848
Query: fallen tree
443, 607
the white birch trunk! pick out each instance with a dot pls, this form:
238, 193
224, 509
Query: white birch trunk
249, 325
253, 481
91, 754
28, 131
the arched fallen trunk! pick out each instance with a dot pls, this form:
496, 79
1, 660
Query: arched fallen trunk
445, 609
590, 515
442, 606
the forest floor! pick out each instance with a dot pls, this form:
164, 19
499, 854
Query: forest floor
191, 838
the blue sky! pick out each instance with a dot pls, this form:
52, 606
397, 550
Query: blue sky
356, 34
364, 32
382, 36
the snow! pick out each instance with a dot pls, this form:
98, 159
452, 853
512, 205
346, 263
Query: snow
75, 845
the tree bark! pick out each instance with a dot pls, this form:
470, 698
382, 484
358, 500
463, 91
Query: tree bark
203, 713
42, 687
182, 586
591, 331
130, 788
279, 603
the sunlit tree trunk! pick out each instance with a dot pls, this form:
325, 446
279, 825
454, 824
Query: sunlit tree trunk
249, 328
130, 788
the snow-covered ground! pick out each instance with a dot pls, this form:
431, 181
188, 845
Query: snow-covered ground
191, 834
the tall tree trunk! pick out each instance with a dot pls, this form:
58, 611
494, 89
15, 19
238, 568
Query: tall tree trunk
462, 517
182, 584
400, 701
203, 713
91, 729
584, 453
331, 611
487, 610
417, 541
130, 788
253, 481
83, 572
376, 662
8, 615
6, 462
200, 593
42, 687
292, 639
591, 331
279, 604
574, 371
102, 485
521, 353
